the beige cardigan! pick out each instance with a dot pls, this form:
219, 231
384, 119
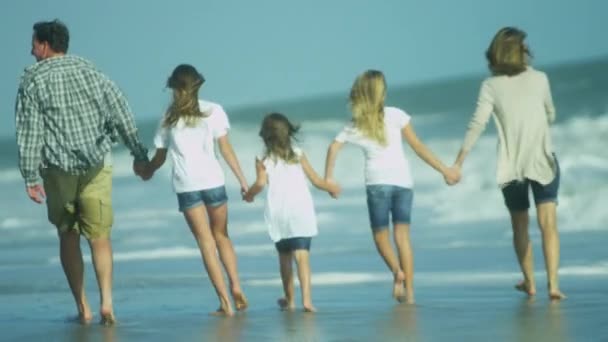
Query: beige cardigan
523, 109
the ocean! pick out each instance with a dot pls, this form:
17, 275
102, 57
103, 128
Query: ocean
465, 267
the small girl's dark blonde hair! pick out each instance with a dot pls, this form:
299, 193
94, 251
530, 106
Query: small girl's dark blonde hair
278, 133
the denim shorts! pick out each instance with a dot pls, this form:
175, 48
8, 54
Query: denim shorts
292, 244
383, 200
516, 192
210, 197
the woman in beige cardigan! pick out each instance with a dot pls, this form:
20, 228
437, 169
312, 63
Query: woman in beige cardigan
520, 99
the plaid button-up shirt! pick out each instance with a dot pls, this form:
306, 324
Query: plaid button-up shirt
68, 115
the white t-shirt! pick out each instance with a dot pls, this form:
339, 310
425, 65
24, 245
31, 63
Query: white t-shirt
289, 210
192, 149
383, 164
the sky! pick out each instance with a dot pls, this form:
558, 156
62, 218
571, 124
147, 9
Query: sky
271, 50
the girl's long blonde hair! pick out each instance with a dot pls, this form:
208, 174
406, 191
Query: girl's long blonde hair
278, 134
367, 105
185, 82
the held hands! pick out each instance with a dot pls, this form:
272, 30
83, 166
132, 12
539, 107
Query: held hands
244, 189
452, 175
248, 197
143, 169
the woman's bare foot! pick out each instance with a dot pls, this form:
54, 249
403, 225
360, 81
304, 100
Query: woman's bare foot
525, 288
240, 301
309, 308
107, 317
556, 295
286, 304
398, 288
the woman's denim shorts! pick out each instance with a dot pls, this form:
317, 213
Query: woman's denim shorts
516, 192
210, 197
385, 200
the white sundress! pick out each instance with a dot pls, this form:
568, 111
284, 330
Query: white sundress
289, 210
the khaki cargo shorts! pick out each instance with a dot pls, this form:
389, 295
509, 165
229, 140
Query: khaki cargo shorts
80, 202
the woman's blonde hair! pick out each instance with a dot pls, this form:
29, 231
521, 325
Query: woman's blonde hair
367, 105
185, 82
507, 54
278, 134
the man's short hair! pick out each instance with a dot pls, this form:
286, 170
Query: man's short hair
55, 33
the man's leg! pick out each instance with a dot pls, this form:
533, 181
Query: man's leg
71, 261
101, 251
95, 221
61, 190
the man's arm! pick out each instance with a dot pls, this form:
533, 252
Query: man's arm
30, 133
123, 121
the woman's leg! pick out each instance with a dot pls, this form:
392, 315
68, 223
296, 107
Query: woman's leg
197, 221
219, 226
547, 221
523, 250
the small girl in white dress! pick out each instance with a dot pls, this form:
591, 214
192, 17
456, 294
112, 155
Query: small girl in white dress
289, 211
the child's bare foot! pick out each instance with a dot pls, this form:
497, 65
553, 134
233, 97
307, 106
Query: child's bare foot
525, 288
223, 312
398, 289
225, 309
81, 318
240, 301
286, 304
107, 317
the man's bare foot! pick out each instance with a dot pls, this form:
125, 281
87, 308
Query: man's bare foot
285, 304
398, 288
107, 317
556, 295
240, 301
525, 288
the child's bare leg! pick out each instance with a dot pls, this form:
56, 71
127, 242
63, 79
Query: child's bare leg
523, 250
383, 245
547, 221
303, 261
406, 258
197, 220
285, 264
219, 226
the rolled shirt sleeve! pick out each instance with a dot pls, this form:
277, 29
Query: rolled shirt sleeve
124, 122
30, 134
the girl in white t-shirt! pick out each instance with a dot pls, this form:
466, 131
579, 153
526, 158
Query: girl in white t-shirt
188, 132
379, 130
289, 212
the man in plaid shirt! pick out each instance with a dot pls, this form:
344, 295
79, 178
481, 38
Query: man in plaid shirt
68, 114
